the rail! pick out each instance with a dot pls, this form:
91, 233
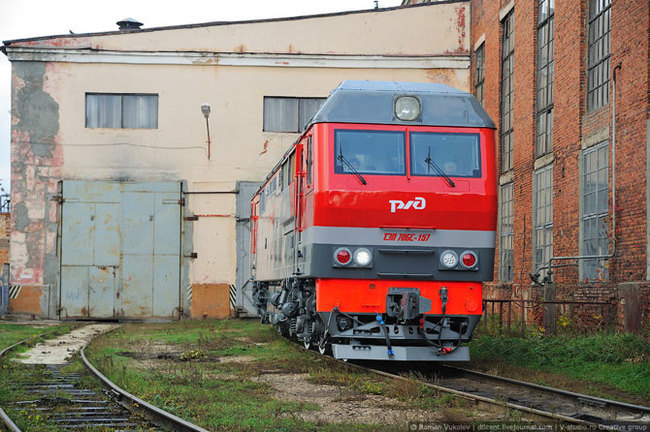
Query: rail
159, 415
135, 404
541, 402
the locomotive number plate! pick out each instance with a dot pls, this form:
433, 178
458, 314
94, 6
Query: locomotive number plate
407, 237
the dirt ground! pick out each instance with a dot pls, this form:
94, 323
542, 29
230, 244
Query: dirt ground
59, 350
341, 404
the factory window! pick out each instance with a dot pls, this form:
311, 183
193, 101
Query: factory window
542, 217
598, 54
121, 111
595, 210
506, 256
507, 90
479, 73
545, 77
286, 114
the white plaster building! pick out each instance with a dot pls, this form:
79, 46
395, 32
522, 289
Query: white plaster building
117, 210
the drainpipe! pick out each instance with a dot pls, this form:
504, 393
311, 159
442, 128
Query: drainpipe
548, 278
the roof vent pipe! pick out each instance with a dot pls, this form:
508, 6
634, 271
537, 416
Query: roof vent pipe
129, 24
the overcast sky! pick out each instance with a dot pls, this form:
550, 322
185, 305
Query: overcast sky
31, 18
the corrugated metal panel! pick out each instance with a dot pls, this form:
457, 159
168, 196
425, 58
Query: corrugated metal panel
244, 289
120, 249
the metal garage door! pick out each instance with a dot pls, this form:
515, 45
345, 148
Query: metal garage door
120, 249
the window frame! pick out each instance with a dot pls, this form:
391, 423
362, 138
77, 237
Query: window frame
309, 159
479, 73
506, 218
600, 215
542, 202
544, 100
598, 53
122, 112
506, 131
301, 122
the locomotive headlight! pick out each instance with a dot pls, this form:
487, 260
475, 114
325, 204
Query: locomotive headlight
449, 259
362, 257
407, 108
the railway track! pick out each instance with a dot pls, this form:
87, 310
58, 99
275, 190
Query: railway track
539, 401
54, 397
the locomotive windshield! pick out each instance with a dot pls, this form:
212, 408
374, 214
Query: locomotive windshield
370, 152
445, 154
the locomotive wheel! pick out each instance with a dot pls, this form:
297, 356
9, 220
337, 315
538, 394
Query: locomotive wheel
283, 328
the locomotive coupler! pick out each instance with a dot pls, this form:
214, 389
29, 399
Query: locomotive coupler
406, 304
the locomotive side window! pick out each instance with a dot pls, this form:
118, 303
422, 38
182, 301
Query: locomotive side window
454, 154
308, 161
370, 152
292, 168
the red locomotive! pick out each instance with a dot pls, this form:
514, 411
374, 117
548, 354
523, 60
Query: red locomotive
373, 235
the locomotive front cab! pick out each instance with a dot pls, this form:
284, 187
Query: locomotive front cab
392, 227
400, 236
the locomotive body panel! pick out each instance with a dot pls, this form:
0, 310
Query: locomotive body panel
369, 295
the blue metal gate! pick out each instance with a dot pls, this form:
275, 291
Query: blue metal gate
4, 289
120, 249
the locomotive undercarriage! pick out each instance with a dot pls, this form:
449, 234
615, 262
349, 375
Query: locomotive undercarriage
402, 332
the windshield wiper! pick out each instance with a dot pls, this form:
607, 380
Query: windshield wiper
431, 163
349, 166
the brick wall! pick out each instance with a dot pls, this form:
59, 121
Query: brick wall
4, 237
574, 128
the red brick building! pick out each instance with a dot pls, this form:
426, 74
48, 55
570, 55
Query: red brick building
568, 85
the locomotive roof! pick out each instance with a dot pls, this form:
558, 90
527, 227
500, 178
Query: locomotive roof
372, 102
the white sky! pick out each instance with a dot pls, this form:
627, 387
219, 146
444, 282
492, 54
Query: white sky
31, 18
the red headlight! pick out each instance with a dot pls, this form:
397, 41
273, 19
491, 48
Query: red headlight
343, 256
469, 259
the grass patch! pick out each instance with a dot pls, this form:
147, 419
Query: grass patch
606, 364
212, 373
15, 376
12, 333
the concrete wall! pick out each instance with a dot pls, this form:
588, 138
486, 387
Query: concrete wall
230, 66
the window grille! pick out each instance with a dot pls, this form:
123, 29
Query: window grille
506, 256
542, 217
479, 73
545, 77
507, 90
598, 54
595, 211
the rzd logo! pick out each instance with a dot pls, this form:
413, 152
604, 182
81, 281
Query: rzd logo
418, 203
